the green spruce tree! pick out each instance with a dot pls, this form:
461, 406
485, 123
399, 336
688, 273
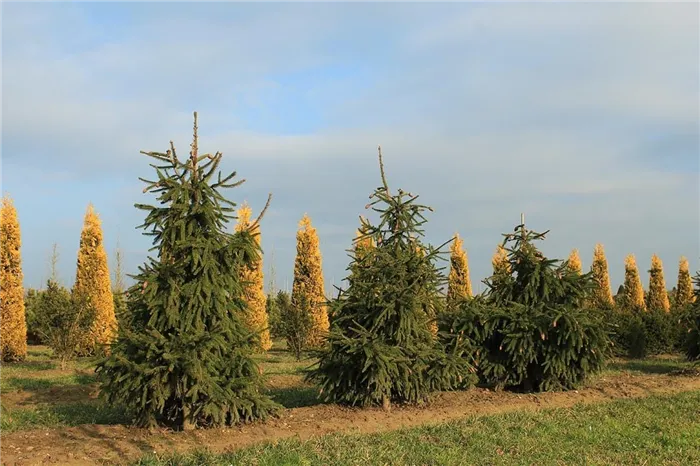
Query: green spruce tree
185, 358
380, 348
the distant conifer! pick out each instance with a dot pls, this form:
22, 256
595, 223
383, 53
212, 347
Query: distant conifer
601, 295
254, 283
684, 289
657, 299
308, 288
574, 262
634, 292
458, 284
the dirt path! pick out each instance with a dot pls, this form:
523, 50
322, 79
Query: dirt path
97, 444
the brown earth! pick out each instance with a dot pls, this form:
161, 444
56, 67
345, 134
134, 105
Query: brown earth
99, 444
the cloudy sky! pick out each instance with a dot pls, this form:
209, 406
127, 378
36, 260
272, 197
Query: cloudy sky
583, 116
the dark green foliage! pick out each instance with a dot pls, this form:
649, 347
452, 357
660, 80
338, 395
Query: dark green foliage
120, 307
691, 325
380, 348
645, 333
530, 330
62, 321
31, 298
296, 322
184, 358
274, 305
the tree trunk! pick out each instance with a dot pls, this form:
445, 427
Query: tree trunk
386, 404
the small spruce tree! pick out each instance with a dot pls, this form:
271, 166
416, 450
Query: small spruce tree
691, 342
185, 358
253, 281
13, 323
574, 262
380, 349
458, 284
93, 285
684, 289
657, 298
308, 289
536, 335
634, 292
601, 293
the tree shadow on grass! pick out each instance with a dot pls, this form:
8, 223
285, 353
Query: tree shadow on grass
32, 384
295, 397
648, 366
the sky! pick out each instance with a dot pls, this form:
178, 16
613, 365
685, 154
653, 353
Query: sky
584, 116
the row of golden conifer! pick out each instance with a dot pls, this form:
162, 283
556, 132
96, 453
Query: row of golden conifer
602, 298
93, 282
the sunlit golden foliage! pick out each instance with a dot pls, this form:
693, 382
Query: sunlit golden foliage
93, 284
308, 286
575, 262
253, 282
658, 296
458, 284
13, 325
684, 288
634, 292
601, 295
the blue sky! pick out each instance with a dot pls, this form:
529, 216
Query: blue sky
585, 116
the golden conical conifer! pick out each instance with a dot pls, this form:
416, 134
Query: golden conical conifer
601, 296
499, 261
13, 324
575, 262
634, 292
684, 289
308, 284
254, 283
458, 284
658, 296
93, 284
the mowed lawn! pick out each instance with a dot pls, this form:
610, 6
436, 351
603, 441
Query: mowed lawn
652, 430
659, 429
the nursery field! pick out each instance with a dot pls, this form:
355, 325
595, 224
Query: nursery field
635, 412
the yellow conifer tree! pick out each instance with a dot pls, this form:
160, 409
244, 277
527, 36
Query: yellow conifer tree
254, 282
13, 324
634, 292
658, 296
601, 296
499, 261
575, 262
308, 286
458, 284
684, 289
93, 284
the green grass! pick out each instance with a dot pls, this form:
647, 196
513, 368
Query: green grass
650, 365
654, 430
60, 415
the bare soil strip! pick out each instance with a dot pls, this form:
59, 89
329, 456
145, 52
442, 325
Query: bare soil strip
99, 444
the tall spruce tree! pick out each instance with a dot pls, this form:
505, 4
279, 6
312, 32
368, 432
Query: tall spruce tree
684, 289
633, 299
458, 284
185, 359
380, 349
657, 299
254, 283
13, 323
601, 294
93, 285
574, 262
308, 291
